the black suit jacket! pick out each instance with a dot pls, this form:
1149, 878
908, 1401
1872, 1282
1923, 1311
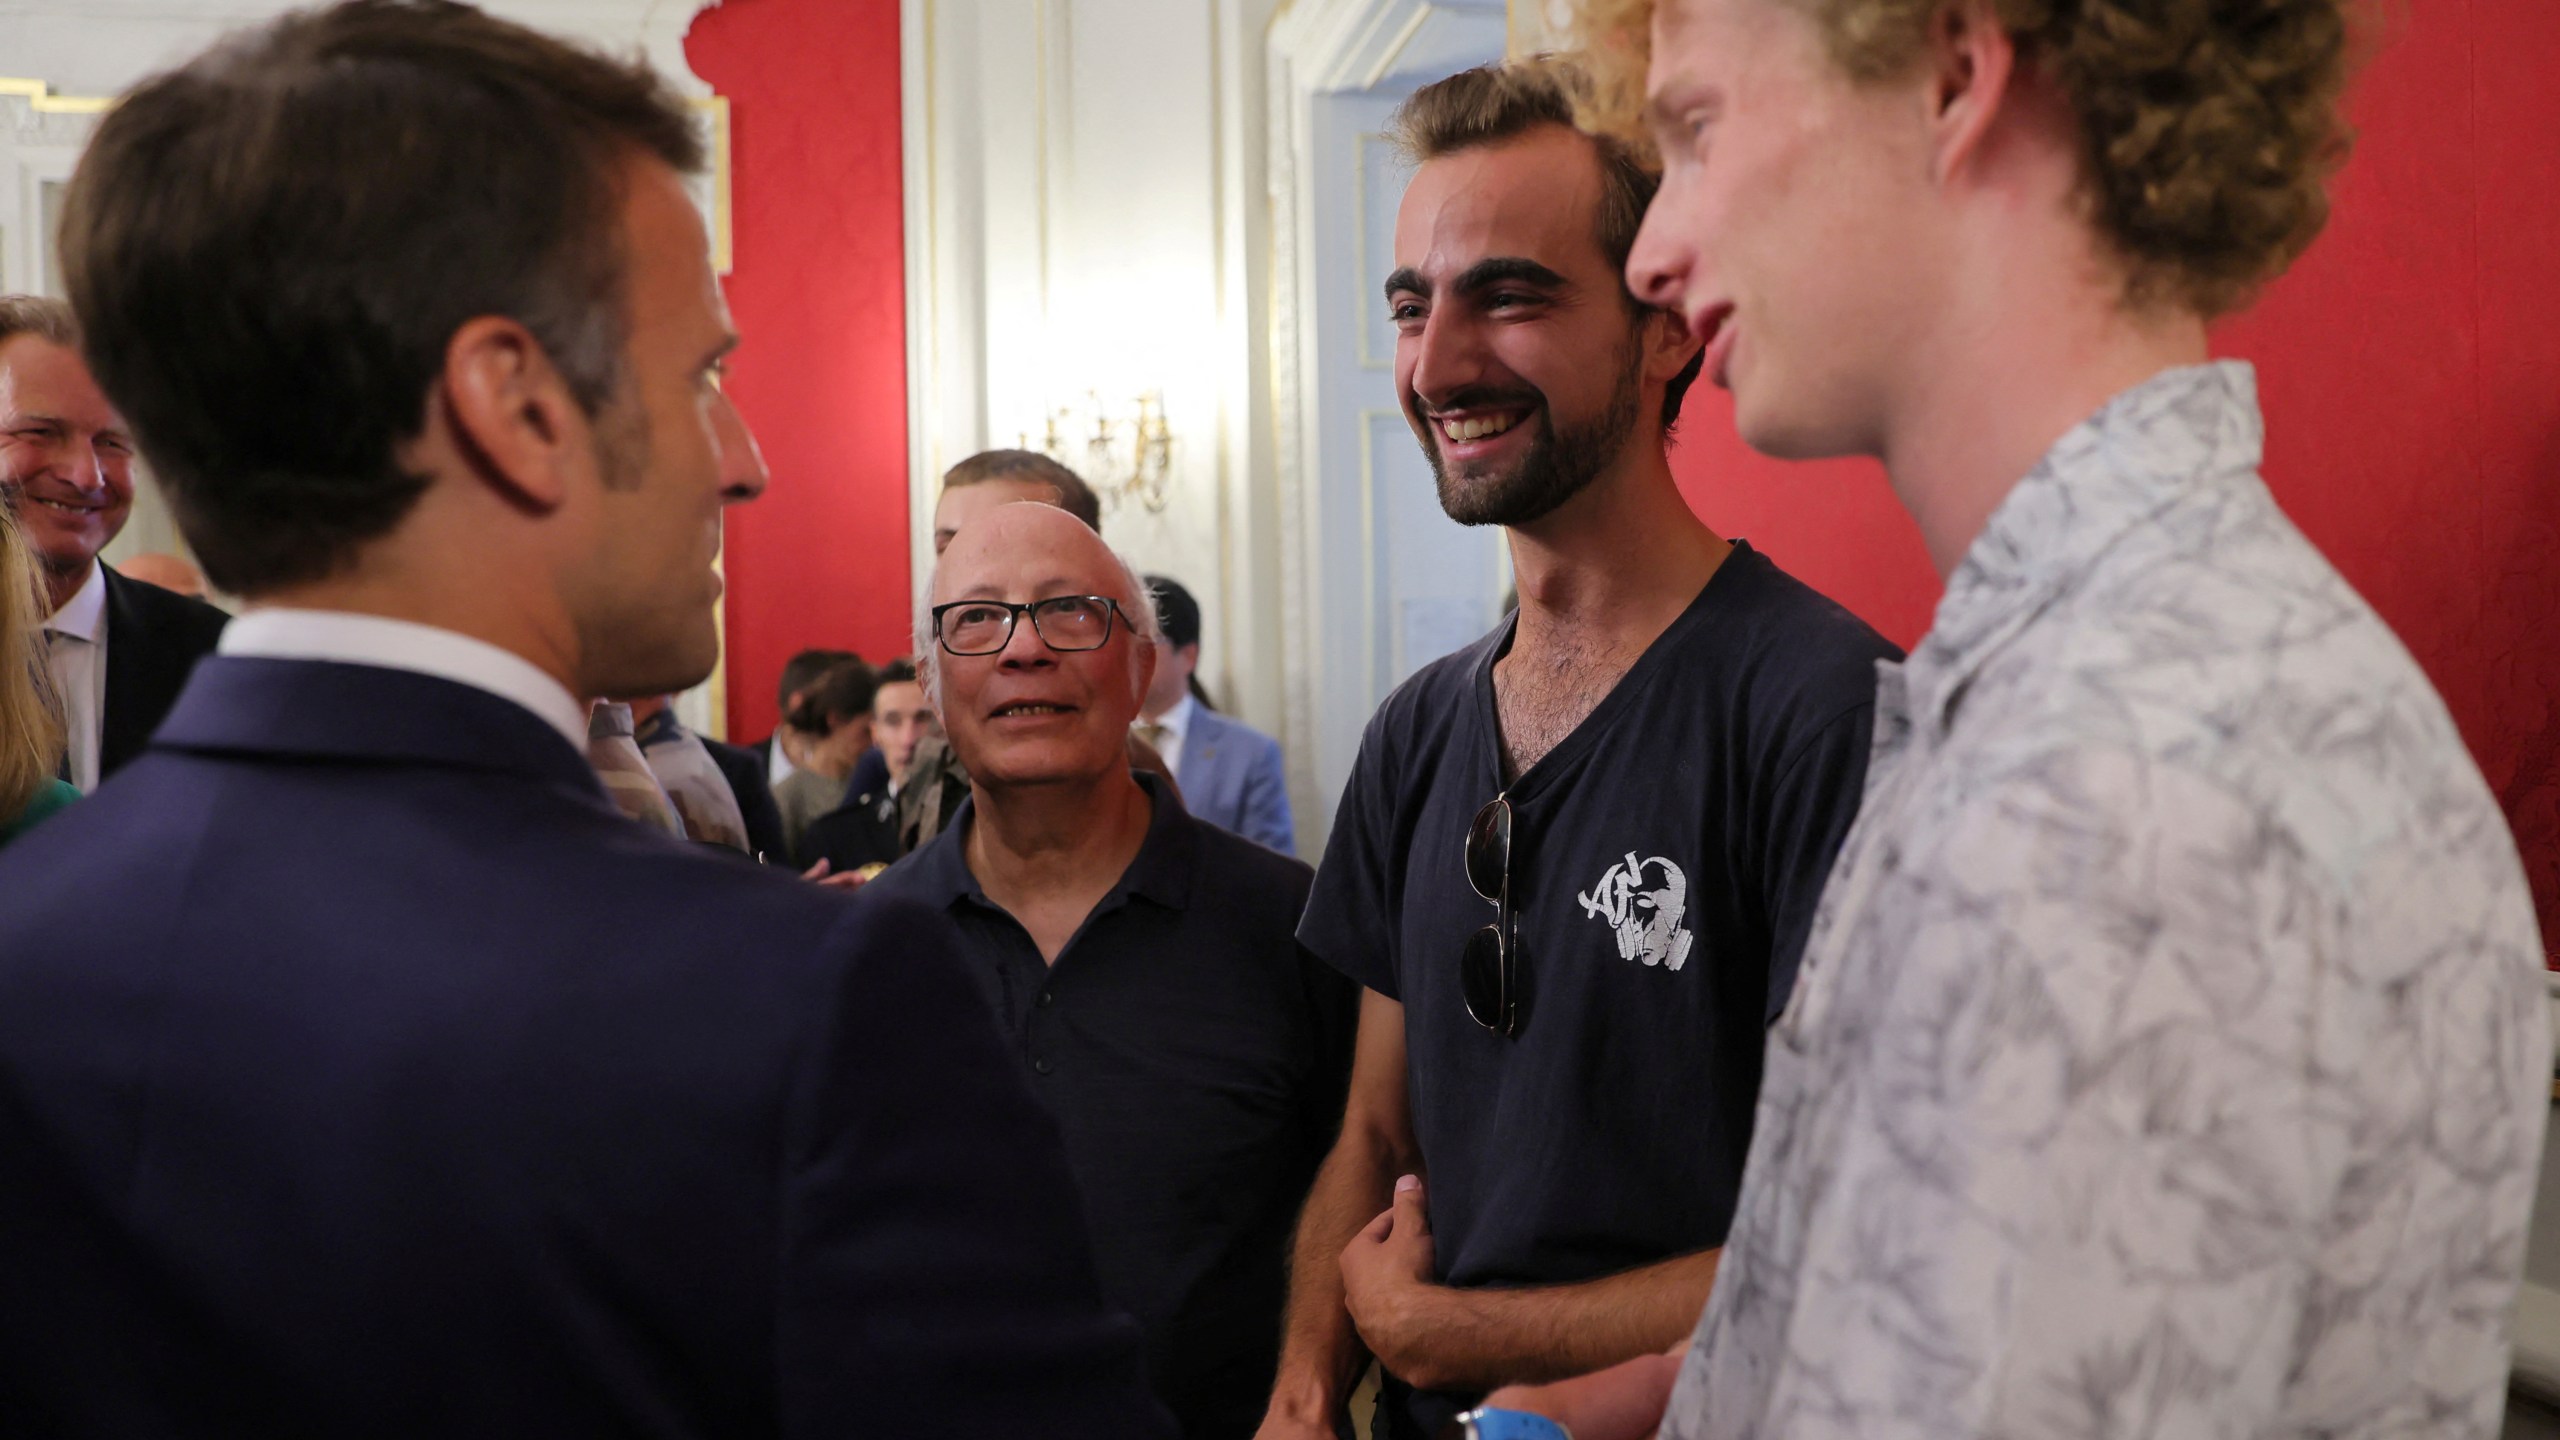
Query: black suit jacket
406, 1089
154, 639
745, 772
862, 831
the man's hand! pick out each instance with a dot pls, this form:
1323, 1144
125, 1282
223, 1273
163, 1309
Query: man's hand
1292, 1427
1387, 1287
849, 880
1623, 1402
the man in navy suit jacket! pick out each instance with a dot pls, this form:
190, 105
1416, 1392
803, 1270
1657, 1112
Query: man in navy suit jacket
361, 1070
1230, 772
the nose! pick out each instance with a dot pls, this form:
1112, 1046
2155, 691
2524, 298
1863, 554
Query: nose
75, 462
742, 472
1659, 264
1448, 357
1024, 648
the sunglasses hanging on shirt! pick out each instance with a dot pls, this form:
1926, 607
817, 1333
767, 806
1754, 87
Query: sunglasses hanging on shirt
1488, 973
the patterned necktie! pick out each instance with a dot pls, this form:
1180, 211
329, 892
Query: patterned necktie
53, 641
625, 772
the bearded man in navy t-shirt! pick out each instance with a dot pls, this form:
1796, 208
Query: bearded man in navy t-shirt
1567, 991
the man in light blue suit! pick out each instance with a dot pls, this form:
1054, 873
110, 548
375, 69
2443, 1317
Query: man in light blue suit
1229, 772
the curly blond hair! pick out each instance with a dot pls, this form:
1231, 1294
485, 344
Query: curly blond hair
2211, 126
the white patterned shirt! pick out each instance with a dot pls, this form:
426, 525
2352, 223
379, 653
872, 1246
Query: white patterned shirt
2170, 1057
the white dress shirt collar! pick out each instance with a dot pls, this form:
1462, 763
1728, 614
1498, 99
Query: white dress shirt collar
1175, 727
352, 639
84, 615
76, 654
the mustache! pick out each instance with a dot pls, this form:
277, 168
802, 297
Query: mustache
1478, 397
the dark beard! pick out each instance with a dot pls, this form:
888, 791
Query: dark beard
1561, 463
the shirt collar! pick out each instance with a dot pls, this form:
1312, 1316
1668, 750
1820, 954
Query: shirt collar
659, 729
2147, 448
1176, 722
1162, 871
352, 639
85, 613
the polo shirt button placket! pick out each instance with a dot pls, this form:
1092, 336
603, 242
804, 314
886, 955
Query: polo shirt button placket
1042, 1066
1048, 998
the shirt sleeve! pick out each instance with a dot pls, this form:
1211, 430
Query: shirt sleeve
1808, 812
1351, 913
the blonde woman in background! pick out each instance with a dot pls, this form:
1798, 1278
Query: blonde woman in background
30, 725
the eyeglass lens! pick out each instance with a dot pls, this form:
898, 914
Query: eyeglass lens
1481, 981
1063, 622
1489, 848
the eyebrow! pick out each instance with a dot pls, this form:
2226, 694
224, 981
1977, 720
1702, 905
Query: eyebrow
1663, 107
1055, 587
1481, 276
117, 433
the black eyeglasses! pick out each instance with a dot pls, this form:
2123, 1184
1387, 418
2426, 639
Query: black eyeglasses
1489, 972
1063, 622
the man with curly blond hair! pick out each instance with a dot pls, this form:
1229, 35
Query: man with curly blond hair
2168, 1056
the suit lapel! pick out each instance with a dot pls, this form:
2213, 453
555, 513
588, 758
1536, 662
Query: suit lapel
140, 682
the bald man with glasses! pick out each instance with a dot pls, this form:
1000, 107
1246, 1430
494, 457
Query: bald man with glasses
1143, 964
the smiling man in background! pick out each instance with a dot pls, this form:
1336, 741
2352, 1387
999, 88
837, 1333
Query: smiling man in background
120, 650
1142, 962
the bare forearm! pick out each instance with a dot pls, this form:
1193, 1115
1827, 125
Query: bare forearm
1320, 1352
1478, 1339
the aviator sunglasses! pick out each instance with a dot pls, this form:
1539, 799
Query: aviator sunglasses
1488, 974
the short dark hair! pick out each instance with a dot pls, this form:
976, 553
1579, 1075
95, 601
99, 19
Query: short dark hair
271, 246
1176, 611
901, 671
1074, 496
38, 315
802, 671
841, 694
1494, 103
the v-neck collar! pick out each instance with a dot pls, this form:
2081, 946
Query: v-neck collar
1569, 751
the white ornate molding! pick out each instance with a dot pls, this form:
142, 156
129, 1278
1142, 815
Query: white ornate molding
1319, 52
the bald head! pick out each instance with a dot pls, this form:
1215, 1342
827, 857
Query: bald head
166, 571
1036, 543
1031, 711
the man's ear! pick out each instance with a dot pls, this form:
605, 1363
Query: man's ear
1972, 61
513, 415
1144, 668
1668, 345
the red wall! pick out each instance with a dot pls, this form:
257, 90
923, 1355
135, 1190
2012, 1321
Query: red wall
819, 293
2410, 369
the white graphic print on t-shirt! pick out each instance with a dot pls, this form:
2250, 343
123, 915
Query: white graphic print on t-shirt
1647, 920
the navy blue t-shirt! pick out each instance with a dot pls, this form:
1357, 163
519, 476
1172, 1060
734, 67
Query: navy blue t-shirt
1666, 859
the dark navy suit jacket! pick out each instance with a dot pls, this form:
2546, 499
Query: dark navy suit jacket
363, 1073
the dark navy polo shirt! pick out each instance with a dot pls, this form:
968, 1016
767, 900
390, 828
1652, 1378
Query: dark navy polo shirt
1666, 859
1196, 1059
